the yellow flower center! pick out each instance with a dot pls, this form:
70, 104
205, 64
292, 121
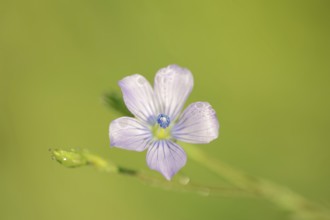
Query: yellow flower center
161, 133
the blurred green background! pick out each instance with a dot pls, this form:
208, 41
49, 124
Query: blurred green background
263, 65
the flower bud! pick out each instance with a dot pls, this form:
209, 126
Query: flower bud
70, 158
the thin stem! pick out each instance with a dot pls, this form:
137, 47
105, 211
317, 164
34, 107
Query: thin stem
299, 206
244, 185
183, 186
77, 158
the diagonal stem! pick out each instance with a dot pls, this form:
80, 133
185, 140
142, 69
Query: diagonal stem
77, 158
283, 197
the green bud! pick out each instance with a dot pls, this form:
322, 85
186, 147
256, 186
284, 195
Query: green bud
77, 158
70, 158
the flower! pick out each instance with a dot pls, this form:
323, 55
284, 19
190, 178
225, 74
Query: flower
158, 123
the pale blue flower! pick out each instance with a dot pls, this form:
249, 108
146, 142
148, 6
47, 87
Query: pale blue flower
158, 123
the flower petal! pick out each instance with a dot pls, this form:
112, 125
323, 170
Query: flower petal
198, 124
139, 98
130, 134
166, 157
173, 84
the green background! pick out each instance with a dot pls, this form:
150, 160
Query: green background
263, 65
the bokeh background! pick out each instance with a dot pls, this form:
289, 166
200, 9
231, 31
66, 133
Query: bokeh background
263, 65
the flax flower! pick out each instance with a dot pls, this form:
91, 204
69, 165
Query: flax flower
158, 122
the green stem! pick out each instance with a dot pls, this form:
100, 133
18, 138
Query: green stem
77, 158
286, 199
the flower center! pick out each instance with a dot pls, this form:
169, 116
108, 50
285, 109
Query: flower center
161, 130
161, 133
163, 120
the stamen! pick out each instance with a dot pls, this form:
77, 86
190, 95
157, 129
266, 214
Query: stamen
163, 120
